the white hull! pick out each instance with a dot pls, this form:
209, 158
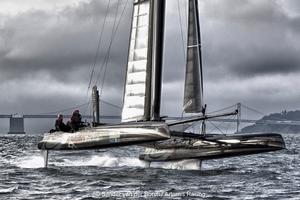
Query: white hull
105, 136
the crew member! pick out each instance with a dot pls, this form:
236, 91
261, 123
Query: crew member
76, 120
59, 124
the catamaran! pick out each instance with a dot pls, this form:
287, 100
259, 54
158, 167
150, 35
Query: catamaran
142, 123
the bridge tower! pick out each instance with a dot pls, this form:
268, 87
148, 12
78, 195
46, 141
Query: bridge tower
16, 125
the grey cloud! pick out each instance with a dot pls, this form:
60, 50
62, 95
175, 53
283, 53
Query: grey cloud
294, 24
56, 50
236, 11
275, 64
37, 40
248, 38
243, 40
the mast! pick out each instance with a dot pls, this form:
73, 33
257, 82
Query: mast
96, 112
158, 23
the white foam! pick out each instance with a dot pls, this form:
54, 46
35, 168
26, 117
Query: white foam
107, 160
36, 161
111, 161
104, 161
179, 165
7, 190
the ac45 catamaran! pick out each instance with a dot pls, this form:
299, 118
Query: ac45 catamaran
141, 120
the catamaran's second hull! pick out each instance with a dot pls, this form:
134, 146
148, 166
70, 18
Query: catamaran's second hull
211, 147
105, 136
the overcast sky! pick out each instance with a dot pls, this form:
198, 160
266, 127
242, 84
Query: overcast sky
47, 50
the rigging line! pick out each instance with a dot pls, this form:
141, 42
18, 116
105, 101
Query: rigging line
216, 127
182, 126
119, 22
99, 44
185, 15
109, 50
106, 103
193, 125
228, 125
101, 67
97, 53
223, 109
110, 104
78, 106
199, 123
220, 124
181, 29
67, 109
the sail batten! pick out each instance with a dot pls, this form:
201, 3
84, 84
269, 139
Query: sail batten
193, 92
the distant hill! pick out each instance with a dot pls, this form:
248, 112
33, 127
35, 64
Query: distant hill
283, 116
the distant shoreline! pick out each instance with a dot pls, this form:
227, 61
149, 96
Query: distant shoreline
277, 128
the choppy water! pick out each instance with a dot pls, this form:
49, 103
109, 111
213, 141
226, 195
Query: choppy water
118, 174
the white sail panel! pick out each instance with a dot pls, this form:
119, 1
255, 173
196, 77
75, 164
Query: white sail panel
137, 68
193, 93
143, 20
136, 77
140, 54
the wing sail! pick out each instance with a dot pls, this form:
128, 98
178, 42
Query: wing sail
138, 69
193, 92
144, 70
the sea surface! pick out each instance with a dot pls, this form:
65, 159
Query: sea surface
119, 174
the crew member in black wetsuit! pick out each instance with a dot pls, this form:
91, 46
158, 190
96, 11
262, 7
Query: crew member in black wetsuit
76, 122
60, 125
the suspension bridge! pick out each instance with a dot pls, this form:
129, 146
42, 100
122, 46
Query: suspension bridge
17, 126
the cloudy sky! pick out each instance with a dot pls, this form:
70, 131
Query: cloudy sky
47, 51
